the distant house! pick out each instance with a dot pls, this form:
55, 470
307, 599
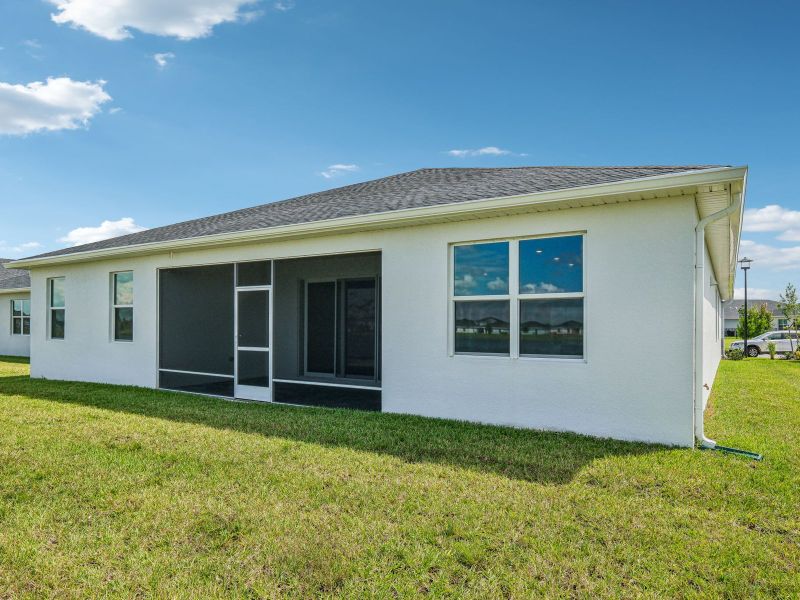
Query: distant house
15, 311
514, 296
731, 314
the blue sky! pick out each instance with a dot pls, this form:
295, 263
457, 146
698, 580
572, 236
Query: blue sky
164, 111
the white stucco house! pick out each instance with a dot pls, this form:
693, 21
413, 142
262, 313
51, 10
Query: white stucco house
516, 296
731, 314
15, 311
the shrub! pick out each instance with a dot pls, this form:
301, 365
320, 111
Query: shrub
734, 354
771, 348
759, 320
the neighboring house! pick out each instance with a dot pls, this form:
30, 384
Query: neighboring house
732, 314
513, 296
15, 311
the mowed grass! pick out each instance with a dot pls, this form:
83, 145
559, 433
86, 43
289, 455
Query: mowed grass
120, 492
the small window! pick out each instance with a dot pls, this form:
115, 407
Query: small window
56, 306
20, 317
122, 307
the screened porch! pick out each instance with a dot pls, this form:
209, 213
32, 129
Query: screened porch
298, 331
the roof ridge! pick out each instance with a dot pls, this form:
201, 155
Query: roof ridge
694, 167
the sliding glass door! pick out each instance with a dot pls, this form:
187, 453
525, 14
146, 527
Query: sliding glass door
341, 328
321, 328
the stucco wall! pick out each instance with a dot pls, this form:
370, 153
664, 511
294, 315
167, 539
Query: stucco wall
635, 383
712, 328
12, 345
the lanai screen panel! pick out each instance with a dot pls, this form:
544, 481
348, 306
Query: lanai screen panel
196, 329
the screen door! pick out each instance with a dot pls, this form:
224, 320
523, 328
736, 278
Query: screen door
253, 343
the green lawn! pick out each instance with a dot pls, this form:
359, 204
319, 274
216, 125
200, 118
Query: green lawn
121, 492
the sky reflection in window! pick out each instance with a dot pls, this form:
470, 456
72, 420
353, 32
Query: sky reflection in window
481, 269
551, 265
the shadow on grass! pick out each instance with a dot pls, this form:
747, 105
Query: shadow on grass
19, 360
529, 455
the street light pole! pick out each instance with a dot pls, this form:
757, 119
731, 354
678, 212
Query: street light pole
745, 262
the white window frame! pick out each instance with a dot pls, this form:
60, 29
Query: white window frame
20, 318
51, 308
514, 298
115, 306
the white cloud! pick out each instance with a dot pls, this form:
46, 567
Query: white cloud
771, 257
498, 283
486, 151
162, 58
539, 288
465, 284
755, 294
58, 103
284, 5
32, 48
338, 169
114, 110
774, 217
106, 230
183, 19
8, 250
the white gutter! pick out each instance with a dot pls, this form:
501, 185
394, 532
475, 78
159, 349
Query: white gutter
699, 286
406, 217
15, 290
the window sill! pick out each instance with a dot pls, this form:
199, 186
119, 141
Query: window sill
543, 359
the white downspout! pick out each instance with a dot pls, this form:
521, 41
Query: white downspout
699, 297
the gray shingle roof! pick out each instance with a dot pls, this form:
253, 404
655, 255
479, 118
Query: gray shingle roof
415, 189
732, 307
11, 279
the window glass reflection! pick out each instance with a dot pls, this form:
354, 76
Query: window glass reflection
482, 327
57, 292
57, 324
481, 269
123, 324
551, 327
551, 265
123, 288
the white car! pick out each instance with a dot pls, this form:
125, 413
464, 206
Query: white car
785, 341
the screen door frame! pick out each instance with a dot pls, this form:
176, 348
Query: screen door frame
250, 392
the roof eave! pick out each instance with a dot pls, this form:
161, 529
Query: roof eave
399, 218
